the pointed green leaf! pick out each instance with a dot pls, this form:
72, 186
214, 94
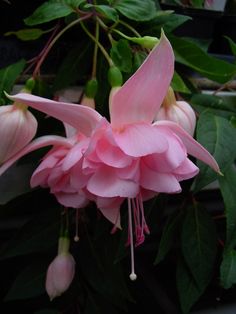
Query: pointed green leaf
191, 55
178, 84
228, 269
139, 57
30, 282
199, 244
188, 291
51, 10
74, 66
228, 190
122, 56
18, 178
232, 45
168, 237
216, 134
105, 10
38, 234
27, 34
213, 102
8, 76
137, 10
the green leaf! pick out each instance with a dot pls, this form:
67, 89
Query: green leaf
191, 55
212, 101
228, 269
18, 178
27, 34
197, 3
188, 290
137, 10
122, 56
178, 84
216, 134
168, 237
138, 58
38, 234
228, 190
232, 45
8, 76
30, 282
166, 21
74, 66
52, 10
105, 10
199, 244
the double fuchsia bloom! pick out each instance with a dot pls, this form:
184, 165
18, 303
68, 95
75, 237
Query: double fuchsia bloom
131, 157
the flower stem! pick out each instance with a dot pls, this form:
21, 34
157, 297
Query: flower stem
133, 30
95, 52
103, 50
54, 40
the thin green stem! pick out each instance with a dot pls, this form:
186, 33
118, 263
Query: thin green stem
121, 34
95, 52
133, 30
54, 40
103, 50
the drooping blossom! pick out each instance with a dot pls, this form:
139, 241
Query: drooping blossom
61, 271
131, 157
178, 111
17, 128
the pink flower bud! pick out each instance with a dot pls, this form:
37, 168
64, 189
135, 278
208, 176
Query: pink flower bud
177, 111
61, 271
17, 128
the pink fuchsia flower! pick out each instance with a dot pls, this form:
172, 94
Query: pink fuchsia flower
131, 157
61, 271
17, 128
177, 111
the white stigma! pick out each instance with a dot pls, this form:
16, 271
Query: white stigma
133, 276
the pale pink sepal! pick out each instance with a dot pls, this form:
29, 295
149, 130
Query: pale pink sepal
35, 144
83, 118
142, 94
193, 147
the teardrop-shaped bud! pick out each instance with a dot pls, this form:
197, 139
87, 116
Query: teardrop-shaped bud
177, 111
17, 128
61, 271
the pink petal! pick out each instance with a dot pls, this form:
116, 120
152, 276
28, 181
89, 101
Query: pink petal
186, 170
141, 96
75, 154
110, 208
83, 118
158, 182
193, 147
36, 144
111, 155
141, 139
170, 159
74, 200
78, 179
106, 183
